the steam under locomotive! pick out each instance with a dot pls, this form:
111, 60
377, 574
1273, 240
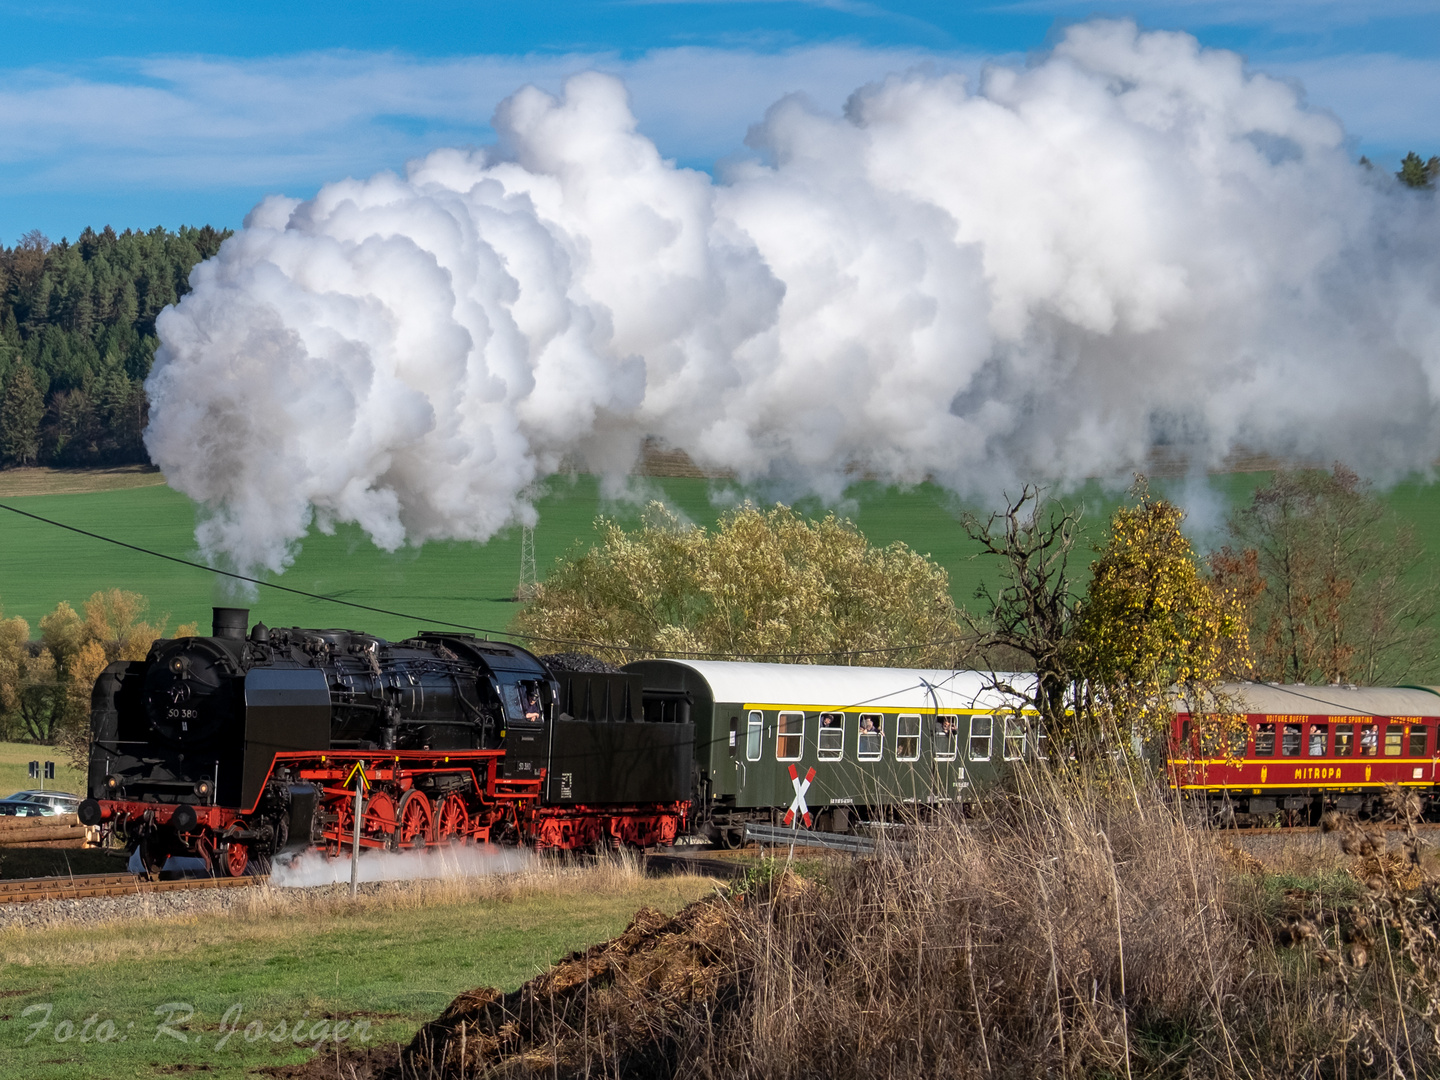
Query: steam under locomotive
240, 746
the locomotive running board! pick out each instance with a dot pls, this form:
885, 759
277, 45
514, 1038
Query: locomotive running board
769, 834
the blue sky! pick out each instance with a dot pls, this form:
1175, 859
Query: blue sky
151, 113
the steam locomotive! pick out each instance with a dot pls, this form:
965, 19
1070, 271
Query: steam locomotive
241, 746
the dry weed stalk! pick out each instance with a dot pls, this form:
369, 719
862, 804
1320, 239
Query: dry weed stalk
1067, 930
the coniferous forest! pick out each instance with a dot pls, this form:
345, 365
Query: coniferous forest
77, 338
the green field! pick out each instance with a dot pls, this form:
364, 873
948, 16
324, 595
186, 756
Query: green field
390, 965
469, 583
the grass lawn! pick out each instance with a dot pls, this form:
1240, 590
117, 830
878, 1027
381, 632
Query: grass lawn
391, 964
471, 583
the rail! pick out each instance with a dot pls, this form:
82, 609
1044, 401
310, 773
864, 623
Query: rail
23, 890
769, 834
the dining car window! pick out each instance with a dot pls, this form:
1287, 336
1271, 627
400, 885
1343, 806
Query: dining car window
1369, 740
1290, 741
947, 736
1344, 740
1419, 741
830, 740
1394, 736
1319, 737
870, 740
981, 728
1264, 740
754, 734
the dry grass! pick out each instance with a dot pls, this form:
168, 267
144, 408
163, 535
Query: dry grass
1072, 931
272, 914
39, 480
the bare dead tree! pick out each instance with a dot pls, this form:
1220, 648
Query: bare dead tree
1032, 616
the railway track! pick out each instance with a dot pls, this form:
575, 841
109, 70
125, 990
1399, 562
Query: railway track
22, 890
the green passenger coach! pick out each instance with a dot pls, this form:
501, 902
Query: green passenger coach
834, 747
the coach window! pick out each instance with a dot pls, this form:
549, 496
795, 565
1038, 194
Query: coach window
1264, 740
790, 736
1344, 740
947, 737
1419, 743
1014, 739
830, 742
1369, 740
754, 732
1039, 740
1290, 741
870, 741
1394, 737
907, 737
980, 729
1319, 737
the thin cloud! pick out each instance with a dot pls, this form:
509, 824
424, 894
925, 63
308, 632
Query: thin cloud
299, 119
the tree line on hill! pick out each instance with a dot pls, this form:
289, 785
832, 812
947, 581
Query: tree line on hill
77, 339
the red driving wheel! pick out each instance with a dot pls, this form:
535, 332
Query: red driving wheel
415, 820
452, 820
378, 818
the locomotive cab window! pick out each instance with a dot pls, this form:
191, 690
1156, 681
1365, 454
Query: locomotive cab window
947, 734
790, 736
1290, 741
830, 739
1344, 740
1394, 734
1319, 738
1419, 741
907, 737
1014, 739
754, 734
1369, 740
981, 728
514, 702
1264, 740
871, 738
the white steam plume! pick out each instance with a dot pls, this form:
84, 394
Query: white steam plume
1131, 241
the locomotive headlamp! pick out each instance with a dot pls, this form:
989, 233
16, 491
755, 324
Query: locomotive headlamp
202, 789
177, 665
112, 782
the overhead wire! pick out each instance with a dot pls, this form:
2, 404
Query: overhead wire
488, 632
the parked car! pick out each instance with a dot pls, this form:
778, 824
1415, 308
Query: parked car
39, 804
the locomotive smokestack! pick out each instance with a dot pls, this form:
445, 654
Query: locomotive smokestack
230, 622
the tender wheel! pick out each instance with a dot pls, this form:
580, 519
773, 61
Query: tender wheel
452, 820
732, 838
415, 821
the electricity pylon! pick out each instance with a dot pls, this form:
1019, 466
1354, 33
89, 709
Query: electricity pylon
529, 584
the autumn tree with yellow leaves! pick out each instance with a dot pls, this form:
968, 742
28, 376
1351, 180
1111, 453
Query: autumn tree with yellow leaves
45, 685
1153, 629
1111, 661
763, 584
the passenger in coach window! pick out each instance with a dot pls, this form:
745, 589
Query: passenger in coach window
1369, 740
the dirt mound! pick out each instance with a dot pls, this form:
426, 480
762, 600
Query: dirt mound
619, 1008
